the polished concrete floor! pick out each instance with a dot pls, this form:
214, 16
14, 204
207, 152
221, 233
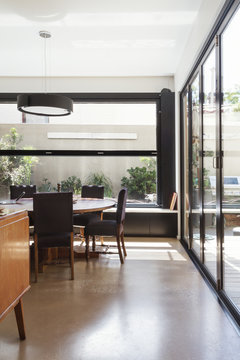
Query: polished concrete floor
154, 307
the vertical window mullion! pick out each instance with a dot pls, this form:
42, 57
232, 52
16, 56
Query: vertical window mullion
190, 167
202, 235
219, 215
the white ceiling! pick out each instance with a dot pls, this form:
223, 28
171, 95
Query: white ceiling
94, 37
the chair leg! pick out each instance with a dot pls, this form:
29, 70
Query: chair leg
87, 248
101, 237
123, 244
82, 235
72, 257
119, 249
36, 256
94, 243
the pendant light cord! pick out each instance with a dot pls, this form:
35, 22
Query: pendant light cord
45, 35
45, 64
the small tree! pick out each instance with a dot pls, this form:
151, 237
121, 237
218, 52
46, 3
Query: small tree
142, 180
15, 170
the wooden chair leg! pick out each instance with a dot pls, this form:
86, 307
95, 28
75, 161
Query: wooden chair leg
101, 237
123, 244
72, 257
82, 234
119, 249
20, 320
36, 256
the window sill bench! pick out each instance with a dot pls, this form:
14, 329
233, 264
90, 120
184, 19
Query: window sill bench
147, 221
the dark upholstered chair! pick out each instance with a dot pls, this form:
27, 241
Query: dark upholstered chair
110, 227
16, 190
93, 191
29, 190
53, 224
89, 191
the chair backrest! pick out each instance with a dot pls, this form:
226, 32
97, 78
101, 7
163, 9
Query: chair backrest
93, 191
121, 205
53, 213
16, 190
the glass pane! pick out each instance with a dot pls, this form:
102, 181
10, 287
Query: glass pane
105, 126
138, 174
186, 168
209, 171
231, 160
195, 166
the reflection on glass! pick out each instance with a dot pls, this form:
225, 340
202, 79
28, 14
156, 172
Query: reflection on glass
232, 256
138, 174
209, 172
231, 150
195, 166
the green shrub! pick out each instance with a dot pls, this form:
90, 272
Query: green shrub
141, 180
45, 186
15, 170
100, 179
72, 183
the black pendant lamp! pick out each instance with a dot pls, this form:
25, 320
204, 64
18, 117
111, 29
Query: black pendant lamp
45, 104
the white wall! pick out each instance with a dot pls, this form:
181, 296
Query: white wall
87, 84
207, 15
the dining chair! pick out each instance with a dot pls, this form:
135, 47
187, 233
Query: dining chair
29, 190
93, 191
110, 227
53, 224
89, 191
16, 190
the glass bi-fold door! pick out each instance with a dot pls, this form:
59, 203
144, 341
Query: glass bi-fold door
203, 164
214, 160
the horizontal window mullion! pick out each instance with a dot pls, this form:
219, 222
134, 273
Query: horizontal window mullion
96, 97
79, 152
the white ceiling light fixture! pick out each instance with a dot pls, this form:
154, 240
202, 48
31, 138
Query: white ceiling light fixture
45, 104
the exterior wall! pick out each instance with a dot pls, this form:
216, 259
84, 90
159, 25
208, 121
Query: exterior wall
37, 136
56, 169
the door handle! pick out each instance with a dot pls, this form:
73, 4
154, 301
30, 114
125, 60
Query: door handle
215, 162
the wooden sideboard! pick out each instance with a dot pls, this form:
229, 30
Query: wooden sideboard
14, 264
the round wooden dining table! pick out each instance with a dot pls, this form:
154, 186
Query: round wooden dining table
83, 205
80, 205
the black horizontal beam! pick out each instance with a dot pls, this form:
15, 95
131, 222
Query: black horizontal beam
78, 153
95, 97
